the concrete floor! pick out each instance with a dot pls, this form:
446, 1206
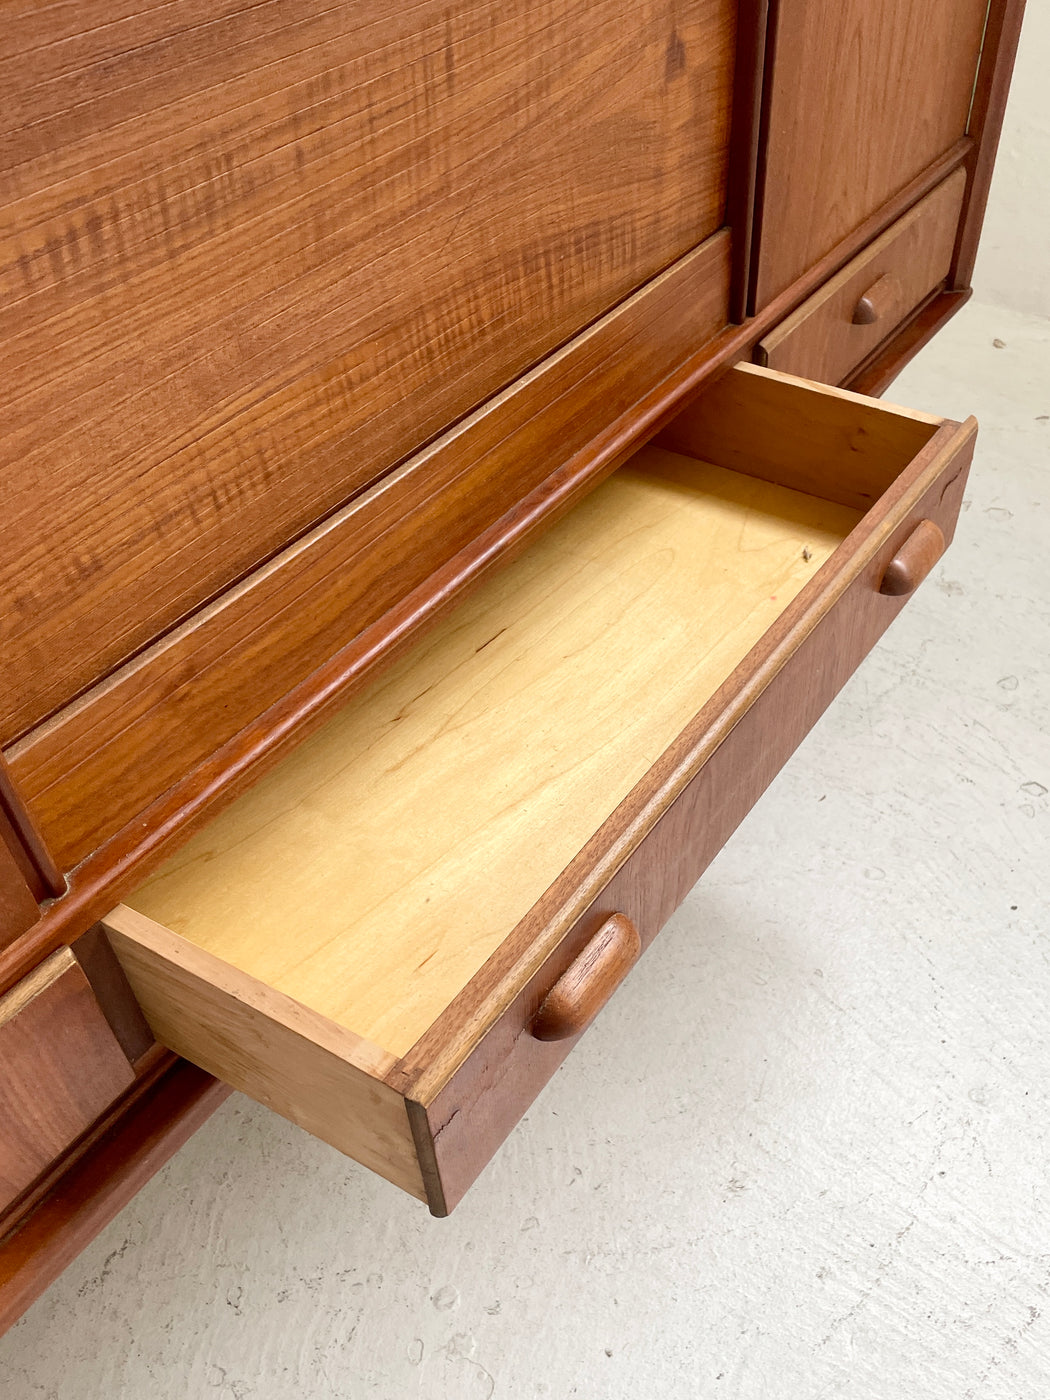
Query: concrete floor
803, 1154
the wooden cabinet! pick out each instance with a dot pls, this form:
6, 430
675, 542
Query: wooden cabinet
382, 667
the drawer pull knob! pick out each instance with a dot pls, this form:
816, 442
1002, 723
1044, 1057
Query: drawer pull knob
914, 560
589, 981
877, 301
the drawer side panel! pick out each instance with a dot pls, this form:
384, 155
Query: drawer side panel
310, 1071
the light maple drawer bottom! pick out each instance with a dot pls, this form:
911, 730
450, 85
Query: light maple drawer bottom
368, 940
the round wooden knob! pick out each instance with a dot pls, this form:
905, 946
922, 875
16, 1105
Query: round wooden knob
877, 301
589, 981
914, 560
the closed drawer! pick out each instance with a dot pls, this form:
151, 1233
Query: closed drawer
839, 327
61, 1066
397, 935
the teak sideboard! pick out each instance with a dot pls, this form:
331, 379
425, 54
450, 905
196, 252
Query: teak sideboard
441, 486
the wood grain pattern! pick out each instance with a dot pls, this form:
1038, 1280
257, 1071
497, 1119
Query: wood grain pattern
19, 910
407, 838
282, 1053
824, 339
147, 1071
479, 1071
259, 258
97, 764
60, 1067
862, 98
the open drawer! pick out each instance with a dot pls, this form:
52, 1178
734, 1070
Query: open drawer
396, 936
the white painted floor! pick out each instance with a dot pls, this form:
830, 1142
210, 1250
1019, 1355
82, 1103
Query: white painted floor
803, 1155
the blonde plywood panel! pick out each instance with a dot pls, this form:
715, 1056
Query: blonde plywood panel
321, 1076
372, 873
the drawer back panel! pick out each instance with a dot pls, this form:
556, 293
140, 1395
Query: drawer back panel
253, 256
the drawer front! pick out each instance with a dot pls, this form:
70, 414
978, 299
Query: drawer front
61, 1066
469, 1116
839, 327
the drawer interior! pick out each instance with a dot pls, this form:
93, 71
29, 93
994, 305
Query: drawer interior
372, 873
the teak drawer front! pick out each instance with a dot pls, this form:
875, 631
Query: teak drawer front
61, 1066
397, 936
839, 327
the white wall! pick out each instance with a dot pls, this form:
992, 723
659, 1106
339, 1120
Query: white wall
1013, 267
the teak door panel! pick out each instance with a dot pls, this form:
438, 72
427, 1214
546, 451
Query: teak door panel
253, 257
862, 98
365, 940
